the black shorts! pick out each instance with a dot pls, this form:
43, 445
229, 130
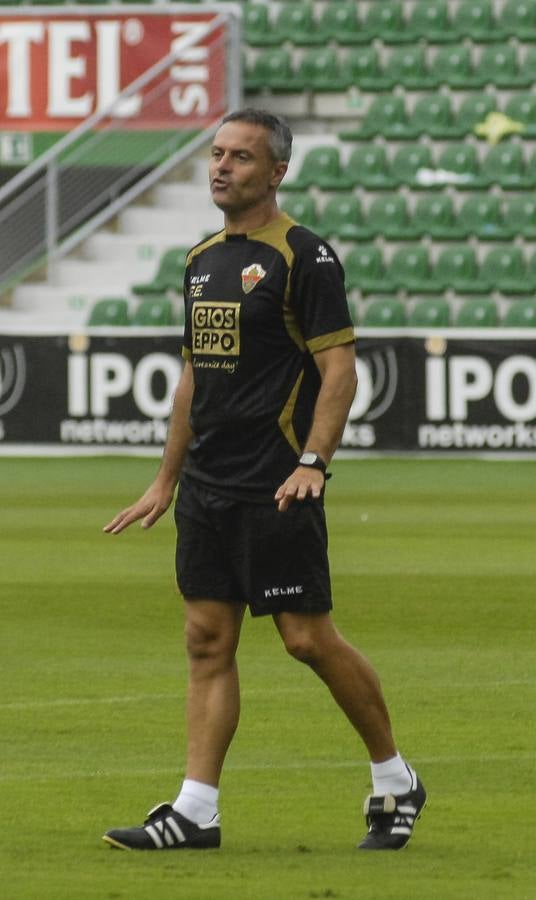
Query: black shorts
242, 552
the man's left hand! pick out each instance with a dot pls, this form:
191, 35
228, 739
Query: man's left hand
304, 482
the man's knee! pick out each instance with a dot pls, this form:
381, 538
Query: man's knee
307, 640
209, 637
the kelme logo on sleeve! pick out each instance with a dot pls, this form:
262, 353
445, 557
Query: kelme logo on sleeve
251, 276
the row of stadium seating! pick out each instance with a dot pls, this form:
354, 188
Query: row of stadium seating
484, 216
504, 165
329, 69
431, 312
436, 21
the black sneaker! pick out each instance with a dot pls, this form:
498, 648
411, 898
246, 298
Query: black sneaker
391, 819
165, 829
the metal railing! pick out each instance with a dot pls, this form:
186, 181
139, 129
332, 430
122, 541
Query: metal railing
102, 165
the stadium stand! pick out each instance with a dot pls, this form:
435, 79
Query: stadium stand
386, 312
109, 311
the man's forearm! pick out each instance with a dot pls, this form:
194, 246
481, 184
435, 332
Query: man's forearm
334, 400
179, 431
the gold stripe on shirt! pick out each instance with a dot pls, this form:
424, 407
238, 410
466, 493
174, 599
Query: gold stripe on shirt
285, 419
334, 339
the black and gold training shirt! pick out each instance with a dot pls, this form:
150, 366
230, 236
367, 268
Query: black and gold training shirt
258, 306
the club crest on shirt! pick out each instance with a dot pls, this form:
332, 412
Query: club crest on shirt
251, 276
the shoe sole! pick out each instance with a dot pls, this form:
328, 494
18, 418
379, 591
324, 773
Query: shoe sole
115, 844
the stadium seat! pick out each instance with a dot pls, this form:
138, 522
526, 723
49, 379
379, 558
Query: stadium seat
498, 65
432, 312
272, 70
479, 312
505, 165
319, 70
384, 312
505, 268
362, 68
522, 108
153, 312
436, 217
410, 269
457, 268
389, 216
302, 208
475, 19
518, 19
386, 21
258, 29
170, 274
386, 116
341, 23
482, 216
473, 110
408, 66
520, 215
321, 166
459, 165
342, 218
295, 22
520, 314
365, 270
433, 116
368, 167
430, 21
111, 311
410, 164
453, 66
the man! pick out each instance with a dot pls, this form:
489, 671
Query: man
268, 381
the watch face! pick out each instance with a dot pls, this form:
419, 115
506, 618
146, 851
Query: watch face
308, 459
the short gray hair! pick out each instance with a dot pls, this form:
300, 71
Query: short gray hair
279, 134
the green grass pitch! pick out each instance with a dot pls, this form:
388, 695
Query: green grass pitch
434, 573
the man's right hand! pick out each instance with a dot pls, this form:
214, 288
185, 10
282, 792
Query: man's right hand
149, 507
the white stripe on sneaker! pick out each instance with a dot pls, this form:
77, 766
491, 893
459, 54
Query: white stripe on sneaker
177, 831
155, 837
399, 829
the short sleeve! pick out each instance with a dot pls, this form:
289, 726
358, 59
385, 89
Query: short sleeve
187, 338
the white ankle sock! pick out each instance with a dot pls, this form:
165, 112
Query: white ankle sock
393, 776
197, 801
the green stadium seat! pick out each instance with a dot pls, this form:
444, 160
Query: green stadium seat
476, 19
479, 312
302, 208
295, 22
272, 70
368, 167
457, 267
386, 21
505, 165
522, 108
518, 19
410, 269
342, 218
453, 66
433, 116
153, 312
482, 216
258, 29
384, 312
319, 70
430, 21
389, 216
499, 66
408, 66
341, 23
473, 110
365, 270
436, 217
362, 68
430, 312
461, 167
520, 314
386, 116
409, 163
110, 311
321, 166
170, 274
520, 215
505, 268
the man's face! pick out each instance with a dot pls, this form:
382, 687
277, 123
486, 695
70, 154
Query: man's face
242, 171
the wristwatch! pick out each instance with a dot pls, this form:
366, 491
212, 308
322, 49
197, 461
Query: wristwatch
312, 461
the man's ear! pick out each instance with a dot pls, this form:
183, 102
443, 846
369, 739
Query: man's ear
280, 170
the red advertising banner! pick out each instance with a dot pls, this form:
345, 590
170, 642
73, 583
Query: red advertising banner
60, 65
